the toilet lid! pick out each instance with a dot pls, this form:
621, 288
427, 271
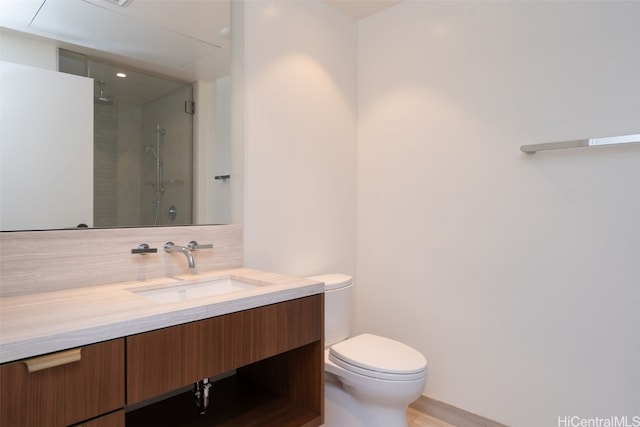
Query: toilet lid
379, 357
333, 281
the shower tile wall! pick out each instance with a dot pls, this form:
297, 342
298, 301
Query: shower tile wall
116, 165
129, 158
105, 164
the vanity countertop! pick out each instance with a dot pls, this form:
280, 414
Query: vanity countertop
41, 323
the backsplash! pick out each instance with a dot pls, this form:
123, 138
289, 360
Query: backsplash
41, 261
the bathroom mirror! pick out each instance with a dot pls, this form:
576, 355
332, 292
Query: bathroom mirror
185, 41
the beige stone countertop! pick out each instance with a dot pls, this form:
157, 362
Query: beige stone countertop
46, 322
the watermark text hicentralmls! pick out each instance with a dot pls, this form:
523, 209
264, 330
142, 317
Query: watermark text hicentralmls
613, 421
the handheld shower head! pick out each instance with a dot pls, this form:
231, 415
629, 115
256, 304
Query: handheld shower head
149, 149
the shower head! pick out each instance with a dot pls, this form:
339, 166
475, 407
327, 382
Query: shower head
102, 98
149, 149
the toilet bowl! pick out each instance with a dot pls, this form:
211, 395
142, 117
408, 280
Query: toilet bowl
369, 380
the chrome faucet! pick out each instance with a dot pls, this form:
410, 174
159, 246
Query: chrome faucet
187, 250
172, 247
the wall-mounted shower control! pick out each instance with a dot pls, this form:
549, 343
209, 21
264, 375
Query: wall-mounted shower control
173, 213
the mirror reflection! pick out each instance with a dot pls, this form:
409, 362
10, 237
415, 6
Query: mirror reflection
143, 148
160, 94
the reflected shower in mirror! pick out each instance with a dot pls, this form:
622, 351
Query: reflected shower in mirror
182, 49
143, 146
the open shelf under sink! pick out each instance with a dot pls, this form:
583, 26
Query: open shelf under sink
235, 401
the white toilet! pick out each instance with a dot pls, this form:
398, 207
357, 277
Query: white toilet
369, 380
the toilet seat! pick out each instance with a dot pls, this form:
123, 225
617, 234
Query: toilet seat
379, 357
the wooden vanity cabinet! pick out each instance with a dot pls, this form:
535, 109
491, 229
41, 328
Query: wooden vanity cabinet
274, 353
63, 388
277, 348
164, 360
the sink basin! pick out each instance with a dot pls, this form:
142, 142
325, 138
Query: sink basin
189, 291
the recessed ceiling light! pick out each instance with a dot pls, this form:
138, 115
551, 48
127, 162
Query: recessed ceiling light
121, 75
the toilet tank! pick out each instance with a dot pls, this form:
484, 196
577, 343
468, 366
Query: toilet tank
338, 294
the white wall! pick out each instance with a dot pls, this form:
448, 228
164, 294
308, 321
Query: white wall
517, 276
14, 47
300, 133
212, 156
45, 170
28, 73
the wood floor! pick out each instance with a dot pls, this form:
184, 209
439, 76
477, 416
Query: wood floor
418, 419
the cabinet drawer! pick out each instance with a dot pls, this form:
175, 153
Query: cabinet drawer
63, 388
167, 359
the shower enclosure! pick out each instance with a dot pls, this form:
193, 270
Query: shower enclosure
143, 148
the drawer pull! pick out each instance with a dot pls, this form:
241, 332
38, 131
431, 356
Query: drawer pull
53, 360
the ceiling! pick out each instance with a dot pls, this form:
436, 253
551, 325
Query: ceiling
359, 9
186, 39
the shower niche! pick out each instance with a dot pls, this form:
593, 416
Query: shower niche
143, 145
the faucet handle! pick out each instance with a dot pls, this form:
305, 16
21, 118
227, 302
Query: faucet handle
193, 245
144, 249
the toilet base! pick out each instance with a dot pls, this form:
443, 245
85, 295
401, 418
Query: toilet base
342, 409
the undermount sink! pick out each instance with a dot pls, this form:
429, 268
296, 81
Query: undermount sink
188, 291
